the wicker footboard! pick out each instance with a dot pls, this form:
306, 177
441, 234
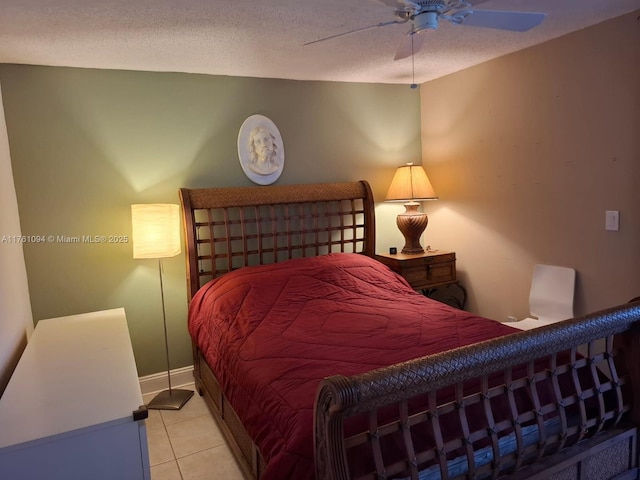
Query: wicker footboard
561, 401
244, 450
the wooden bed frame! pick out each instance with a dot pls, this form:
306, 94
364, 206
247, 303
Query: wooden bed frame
228, 228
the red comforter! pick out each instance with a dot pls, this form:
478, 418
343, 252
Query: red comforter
271, 333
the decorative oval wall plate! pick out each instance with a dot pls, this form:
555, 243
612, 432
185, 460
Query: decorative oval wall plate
260, 150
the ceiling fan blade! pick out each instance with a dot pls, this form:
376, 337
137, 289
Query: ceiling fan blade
514, 21
406, 48
362, 29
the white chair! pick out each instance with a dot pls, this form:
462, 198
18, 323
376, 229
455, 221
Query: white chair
550, 298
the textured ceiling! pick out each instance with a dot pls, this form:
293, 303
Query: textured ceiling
266, 38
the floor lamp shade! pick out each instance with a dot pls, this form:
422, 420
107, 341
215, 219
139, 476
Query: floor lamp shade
410, 184
156, 234
155, 230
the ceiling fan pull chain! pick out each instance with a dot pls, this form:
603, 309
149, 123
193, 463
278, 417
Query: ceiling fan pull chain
413, 64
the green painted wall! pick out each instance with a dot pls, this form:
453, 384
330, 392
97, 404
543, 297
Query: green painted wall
86, 144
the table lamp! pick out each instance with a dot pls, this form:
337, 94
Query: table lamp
410, 184
156, 234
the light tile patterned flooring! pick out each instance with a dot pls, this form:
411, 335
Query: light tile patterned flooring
186, 444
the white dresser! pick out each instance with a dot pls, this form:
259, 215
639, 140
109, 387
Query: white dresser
68, 410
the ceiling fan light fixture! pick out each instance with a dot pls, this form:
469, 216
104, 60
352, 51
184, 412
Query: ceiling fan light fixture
425, 21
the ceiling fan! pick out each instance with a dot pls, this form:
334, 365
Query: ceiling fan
425, 15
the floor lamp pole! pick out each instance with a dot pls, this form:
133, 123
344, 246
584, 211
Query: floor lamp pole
164, 323
168, 399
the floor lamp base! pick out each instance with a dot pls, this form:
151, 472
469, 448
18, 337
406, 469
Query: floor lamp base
173, 399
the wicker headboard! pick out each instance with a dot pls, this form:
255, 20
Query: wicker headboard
229, 228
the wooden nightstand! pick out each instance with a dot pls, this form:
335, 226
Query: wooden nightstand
428, 272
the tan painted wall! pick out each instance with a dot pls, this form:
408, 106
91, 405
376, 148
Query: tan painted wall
527, 152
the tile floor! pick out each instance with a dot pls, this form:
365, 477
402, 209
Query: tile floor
187, 445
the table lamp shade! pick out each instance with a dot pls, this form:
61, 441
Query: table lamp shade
410, 182
155, 230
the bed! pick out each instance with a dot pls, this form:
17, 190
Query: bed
319, 362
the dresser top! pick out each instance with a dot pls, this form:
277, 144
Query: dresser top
76, 372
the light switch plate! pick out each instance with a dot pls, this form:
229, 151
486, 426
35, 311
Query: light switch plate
612, 220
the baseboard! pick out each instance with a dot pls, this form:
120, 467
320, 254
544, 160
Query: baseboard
156, 382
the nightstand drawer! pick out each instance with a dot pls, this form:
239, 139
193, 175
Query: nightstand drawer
423, 271
428, 275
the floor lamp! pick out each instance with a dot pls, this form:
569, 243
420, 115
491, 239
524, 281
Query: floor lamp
156, 234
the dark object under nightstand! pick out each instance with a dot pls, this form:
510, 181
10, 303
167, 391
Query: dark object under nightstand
434, 273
